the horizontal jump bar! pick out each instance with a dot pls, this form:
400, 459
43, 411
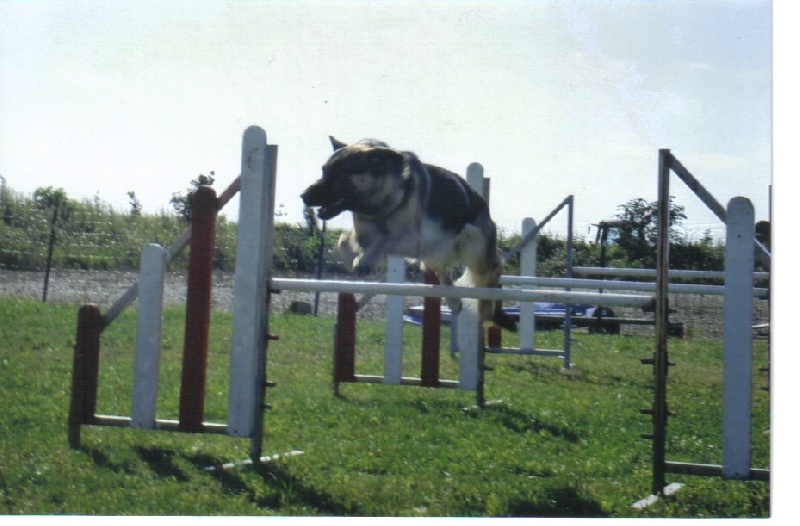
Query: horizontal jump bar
651, 273
161, 425
581, 283
710, 470
405, 380
525, 352
443, 291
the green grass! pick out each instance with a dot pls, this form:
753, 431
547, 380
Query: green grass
559, 444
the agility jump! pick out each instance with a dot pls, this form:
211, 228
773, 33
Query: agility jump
740, 247
255, 284
250, 316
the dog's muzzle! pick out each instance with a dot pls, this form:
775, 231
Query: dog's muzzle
330, 211
329, 205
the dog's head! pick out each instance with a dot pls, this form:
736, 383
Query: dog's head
361, 177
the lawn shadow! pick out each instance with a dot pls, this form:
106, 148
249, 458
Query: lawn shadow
559, 503
521, 422
283, 488
232, 482
297, 490
161, 461
101, 460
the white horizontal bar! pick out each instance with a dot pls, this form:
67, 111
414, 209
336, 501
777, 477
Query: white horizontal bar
525, 352
649, 272
404, 380
678, 288
161, 425
434, 291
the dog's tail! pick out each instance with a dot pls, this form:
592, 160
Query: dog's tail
488, 310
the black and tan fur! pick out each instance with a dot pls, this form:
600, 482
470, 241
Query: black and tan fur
404, 207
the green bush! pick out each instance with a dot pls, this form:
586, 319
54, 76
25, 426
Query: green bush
92, 235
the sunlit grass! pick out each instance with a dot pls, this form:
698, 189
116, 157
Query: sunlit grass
556, 443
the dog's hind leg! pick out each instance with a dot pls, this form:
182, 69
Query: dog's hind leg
445, 276
486, 273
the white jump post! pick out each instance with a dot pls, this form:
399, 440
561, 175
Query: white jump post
738, 338
393, 347
469, 339
153, 263
254, 247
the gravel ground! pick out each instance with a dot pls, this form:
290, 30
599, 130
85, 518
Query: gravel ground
701, 315
106, 287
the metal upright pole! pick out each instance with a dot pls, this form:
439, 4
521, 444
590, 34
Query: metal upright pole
568, 308
661, 361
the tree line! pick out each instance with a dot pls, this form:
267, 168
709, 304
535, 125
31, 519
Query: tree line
90, 234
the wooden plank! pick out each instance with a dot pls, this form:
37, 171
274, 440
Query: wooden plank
737, 339
393, 329
253, 248
431, 336
469, 346
198, 310
148, 336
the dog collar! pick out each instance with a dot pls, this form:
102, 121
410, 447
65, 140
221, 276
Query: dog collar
381, 216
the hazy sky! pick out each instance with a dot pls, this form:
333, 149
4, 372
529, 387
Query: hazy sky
553, 98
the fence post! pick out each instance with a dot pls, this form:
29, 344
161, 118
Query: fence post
737, 339
153, 263
50, 246
198, 310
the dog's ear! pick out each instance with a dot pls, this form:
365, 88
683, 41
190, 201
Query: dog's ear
385, 160
336, 143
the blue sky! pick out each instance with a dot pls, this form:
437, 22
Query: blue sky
553, 98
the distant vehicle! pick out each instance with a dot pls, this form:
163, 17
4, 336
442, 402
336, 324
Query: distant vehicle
547, 316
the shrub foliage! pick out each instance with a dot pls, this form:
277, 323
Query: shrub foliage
90, 234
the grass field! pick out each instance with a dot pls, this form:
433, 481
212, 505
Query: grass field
559, 444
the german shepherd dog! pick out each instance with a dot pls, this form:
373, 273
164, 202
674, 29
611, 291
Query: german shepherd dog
404, 207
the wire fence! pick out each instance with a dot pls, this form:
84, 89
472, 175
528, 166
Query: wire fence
80, 238
84, 251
